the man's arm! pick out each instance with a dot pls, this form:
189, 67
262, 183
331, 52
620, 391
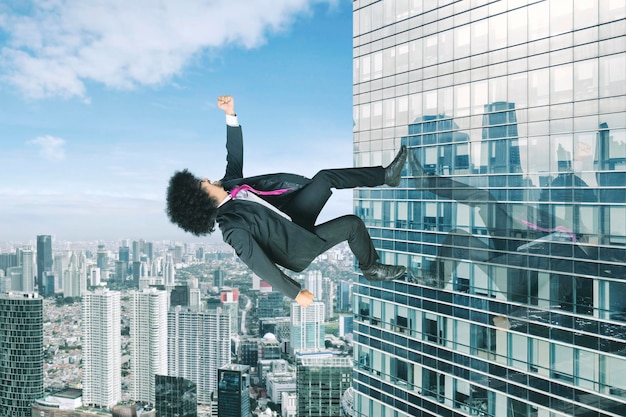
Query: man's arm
234, 139
250, 253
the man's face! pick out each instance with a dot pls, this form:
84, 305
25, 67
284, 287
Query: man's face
213, 189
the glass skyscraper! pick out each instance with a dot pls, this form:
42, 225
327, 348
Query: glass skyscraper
233, 392
21, 352
44, 260
511, 214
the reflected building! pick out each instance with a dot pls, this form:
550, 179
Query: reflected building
512, 218
175, 396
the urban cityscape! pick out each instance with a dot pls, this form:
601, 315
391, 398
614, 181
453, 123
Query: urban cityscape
510, 218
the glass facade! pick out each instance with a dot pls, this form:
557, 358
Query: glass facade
233, 392
511, 214
21, 353
175, 396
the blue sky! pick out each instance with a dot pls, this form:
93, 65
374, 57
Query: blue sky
101, 101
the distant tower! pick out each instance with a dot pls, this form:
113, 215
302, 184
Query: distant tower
136, 250
313, 282
321, 382
198, 343
61, 261
230, 306
75, 277
307, 326
102, 261
233, 392
44, 259
21, 352
102, 385
344, 295
124, 254
148, 342
28, 273
328, 296
169, 273
149, 250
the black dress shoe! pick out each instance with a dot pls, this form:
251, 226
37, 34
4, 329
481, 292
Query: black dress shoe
394, 169
382, 272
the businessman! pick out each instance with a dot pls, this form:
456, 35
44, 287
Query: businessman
270, 220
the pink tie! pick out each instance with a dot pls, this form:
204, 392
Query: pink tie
246, 187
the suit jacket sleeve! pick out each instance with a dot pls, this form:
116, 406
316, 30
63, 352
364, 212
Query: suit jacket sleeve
249, 251
234, 156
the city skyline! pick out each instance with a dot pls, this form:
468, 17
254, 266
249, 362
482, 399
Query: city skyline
91, 139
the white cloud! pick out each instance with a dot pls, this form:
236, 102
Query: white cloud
50, 147
62, 44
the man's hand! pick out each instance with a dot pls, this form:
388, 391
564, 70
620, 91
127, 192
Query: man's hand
305, 298
226, 103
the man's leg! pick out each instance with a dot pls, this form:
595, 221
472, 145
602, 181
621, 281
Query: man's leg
351, 228
307, 204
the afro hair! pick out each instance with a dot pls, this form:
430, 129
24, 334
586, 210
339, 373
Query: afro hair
188, 206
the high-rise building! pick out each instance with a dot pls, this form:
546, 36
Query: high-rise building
270, 305
307, 326
61, 261
321, 381
175, 396
328, 296
344, 295
102, 356
8, 260
21, 352
44, 259
148, 342
230, 306
233, 392
198, 343
313, 282
28, 270
169, 272
511, 214
179, 296
218, 278
75, 276
123, 254
102, 260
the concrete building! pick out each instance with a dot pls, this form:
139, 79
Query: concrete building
198, 344
101, 348
148, 342
514, 226
321, 381
307, 326
21, 352
278, 383
289, 404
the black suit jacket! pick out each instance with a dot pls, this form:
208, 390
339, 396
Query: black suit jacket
262, 238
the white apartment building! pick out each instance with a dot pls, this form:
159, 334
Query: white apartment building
101, 348
148, 341
198, 344
307, 326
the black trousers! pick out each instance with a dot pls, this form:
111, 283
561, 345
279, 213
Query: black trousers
308, 202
